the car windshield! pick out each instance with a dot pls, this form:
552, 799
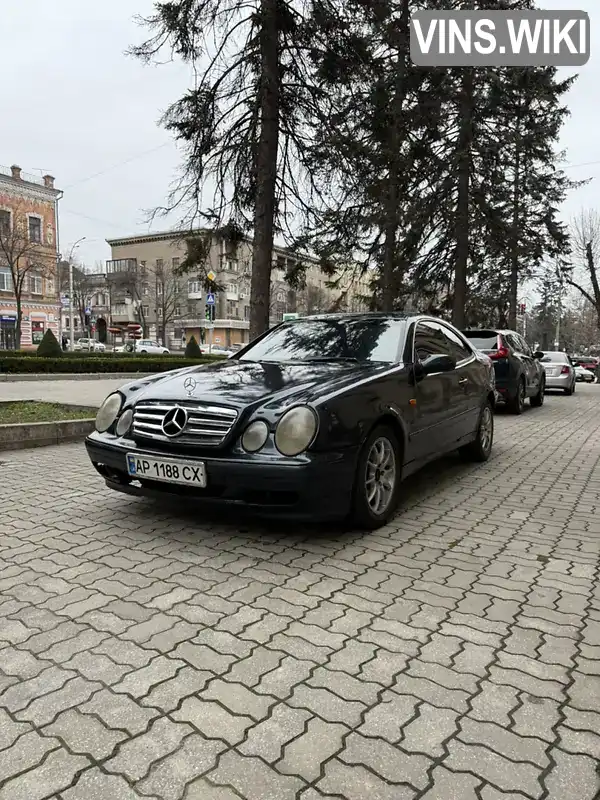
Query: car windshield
557, 358
483, 340
361, 339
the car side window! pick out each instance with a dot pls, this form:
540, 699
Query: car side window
513, 342
430, 341
459, 350
525, 347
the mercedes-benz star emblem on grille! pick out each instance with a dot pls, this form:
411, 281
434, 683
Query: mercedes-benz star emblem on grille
189, 385
174, 422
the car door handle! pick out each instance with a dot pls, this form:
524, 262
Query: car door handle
463, 381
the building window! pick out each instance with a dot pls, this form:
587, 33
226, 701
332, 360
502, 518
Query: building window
6, 283
175, 263
246, 312
100, 300
35, 283
4, 222
120, 309
145, 289
159, 263
231, 265
37, 330
145, 310
194, 287
177, 311
35, 229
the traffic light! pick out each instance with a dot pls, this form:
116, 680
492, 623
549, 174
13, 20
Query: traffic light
209, 313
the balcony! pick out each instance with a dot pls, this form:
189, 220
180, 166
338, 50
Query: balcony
122, 267
233, 295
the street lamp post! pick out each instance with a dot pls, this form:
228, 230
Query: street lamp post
71, 316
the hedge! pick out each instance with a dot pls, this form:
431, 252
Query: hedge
84, 354
148, 364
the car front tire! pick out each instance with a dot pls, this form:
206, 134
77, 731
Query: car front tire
377, 482
537, 401
516, 404
480, 448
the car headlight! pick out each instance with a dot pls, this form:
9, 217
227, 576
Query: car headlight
295, 430
107, 413
124, 422
255, 436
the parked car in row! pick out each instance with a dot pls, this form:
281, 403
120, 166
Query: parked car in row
89, 345
583, 375
144, 346
319, 417
217, 350
519, 373
560, 373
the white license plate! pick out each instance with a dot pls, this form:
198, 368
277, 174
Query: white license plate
551, 373
169, 470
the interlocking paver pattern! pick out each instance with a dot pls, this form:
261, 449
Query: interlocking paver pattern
153, 651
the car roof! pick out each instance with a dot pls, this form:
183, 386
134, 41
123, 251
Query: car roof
488, 330
343, 316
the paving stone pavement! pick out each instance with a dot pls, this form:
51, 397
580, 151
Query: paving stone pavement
150, 651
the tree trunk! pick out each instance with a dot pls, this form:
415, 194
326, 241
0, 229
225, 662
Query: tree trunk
266, 170
589, 257
514, 255
389, 280
465, 141
19, 322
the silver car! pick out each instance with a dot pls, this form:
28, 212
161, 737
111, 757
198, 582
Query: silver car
560, 373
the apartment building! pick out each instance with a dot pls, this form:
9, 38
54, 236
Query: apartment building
28, 251
145, 288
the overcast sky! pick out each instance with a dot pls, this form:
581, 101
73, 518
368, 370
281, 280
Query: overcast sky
76, 106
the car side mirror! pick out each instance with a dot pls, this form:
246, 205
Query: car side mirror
538, 354
433, 364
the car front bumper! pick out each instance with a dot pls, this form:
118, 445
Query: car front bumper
317, 487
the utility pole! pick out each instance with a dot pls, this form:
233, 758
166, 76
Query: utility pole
71, 316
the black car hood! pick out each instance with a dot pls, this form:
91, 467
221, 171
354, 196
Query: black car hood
241, 384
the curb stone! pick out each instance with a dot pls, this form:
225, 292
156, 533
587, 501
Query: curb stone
18, 436
74, 376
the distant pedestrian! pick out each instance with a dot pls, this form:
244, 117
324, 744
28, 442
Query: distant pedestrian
64, 342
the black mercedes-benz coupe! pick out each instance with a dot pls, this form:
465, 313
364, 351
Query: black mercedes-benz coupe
320, 417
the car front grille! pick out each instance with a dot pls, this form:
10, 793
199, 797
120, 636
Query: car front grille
206, 425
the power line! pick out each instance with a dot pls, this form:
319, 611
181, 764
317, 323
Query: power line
93, 219
119, 164
583, 164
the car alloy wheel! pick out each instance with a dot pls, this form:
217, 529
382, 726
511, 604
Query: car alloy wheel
377, 479
380, 476
517, 404
537, 401
480, 448
486, 430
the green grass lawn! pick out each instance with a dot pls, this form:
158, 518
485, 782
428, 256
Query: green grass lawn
34, 411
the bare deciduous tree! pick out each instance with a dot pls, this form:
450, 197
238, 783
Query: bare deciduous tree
583, 271
26, 256
82, 287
